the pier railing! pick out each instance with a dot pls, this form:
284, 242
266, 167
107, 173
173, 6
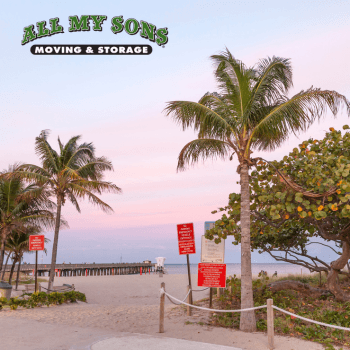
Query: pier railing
70, 270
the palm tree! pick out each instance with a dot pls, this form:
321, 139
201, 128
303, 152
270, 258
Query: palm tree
250, 112
21, 205
71, 174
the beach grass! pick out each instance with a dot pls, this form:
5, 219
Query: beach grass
325, 309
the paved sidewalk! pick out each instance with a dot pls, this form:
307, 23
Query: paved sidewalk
132, 341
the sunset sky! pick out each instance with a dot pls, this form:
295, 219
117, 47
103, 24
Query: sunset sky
117, 103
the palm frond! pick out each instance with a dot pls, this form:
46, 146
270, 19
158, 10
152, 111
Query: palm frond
82, 192
48, 155
94, 169
199, 116
202, 149
274, 78
97, 186
234, 80
295, 115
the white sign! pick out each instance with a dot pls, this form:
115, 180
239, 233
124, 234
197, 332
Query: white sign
212, 252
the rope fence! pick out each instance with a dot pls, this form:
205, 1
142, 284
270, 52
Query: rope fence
189, 291
270, 315
311, 321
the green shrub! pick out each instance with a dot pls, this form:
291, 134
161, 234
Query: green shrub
42, 299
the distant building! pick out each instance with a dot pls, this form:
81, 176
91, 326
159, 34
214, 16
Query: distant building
147, 261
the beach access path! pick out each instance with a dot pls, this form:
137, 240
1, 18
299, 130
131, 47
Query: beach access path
128, 303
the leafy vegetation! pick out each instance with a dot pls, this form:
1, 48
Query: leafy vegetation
303, 196
41, 299
326, 310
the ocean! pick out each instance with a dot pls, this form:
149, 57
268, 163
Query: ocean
235, 269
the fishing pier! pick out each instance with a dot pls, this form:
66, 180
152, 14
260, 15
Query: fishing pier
70, 270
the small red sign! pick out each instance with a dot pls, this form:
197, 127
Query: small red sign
185, 232
185, 235
187, 247
212, 275
36, 242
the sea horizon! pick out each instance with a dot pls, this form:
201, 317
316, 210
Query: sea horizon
235, 268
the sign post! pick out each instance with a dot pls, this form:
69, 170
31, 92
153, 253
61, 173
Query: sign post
185, 235
212, 253
36, 243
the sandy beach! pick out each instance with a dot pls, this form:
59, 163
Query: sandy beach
127, 303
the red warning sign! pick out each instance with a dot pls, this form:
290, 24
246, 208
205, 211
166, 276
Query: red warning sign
187, 247
36, 242
212, 275
185, 235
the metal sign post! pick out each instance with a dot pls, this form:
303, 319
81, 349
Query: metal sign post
189, 277
185, 235
36, 271
36, 242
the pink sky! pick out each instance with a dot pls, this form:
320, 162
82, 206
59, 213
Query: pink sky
117, 103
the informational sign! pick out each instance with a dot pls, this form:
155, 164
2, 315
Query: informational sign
212, 275
187, 247
210, 251
36, 242
185, 235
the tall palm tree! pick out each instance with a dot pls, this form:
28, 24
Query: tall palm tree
21, 205
71, 174
250, 112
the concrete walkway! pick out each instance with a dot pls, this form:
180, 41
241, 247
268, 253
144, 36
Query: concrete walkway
132, 341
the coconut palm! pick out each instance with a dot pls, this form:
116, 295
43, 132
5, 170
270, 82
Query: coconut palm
21, 206
250, 112
71, 174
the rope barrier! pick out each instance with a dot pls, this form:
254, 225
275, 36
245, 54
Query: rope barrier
199, 290
182, 300
191, 290
162, 291
312, 321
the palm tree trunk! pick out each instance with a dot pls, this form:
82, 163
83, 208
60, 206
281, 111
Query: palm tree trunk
18, 271
2, 250
248, 321
3, 273
55, 242
12, 269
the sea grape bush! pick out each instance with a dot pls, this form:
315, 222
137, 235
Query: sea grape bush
317, 166
304, 195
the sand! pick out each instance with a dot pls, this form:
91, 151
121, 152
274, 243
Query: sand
123, 304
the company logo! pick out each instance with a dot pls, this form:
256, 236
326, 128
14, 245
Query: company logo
85, 23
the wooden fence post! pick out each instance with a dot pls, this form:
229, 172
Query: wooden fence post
270, 324
218, 292
161, 311
189, 301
